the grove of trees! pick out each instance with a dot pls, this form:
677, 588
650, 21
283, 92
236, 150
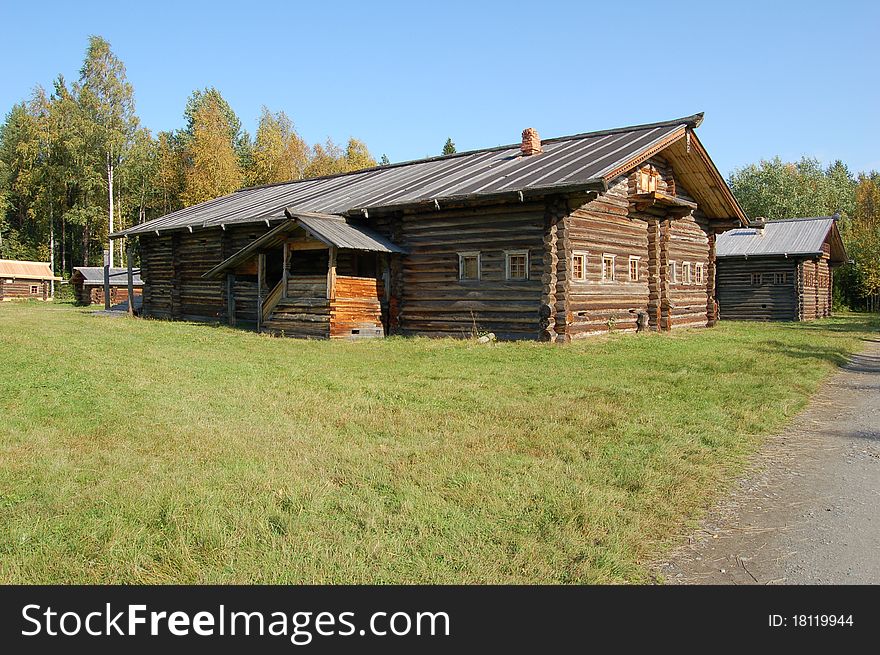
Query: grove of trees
76, 163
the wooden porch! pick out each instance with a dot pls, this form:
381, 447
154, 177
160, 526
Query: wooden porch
318, 277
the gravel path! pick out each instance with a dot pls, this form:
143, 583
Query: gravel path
809, 513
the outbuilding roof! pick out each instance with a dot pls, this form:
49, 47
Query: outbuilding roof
94, 276
578, 162
24, 270
793, 236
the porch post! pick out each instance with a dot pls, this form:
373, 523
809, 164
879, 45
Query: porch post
286, 271
261, 264
130, 280
331, 274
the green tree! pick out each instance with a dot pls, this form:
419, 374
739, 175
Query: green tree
214, 167
106, 100
384, 161
449, 147
357, 156
279, 153
239, 139
776, 189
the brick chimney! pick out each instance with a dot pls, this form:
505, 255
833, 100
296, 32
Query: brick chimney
531, 142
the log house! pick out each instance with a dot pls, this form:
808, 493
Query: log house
554, 240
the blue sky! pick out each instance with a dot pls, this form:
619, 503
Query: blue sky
774, 78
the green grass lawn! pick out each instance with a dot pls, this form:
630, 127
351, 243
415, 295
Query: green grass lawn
154, 452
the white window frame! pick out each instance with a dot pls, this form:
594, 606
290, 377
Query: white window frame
613, 258
673, 271
633, 258
699, 273
461, 258
35, 288
686, 273
584, 254
516, 253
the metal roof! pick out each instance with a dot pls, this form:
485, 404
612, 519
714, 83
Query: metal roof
571, 162
22, 270
332, 230
94, 276
337, 231
793, 236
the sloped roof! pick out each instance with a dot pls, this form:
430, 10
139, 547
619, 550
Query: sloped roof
793, 236
332, 230
22, 270
94, 276
582, 161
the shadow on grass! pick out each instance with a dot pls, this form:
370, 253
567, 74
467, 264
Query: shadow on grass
837, 356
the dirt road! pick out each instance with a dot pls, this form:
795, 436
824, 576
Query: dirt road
809, 513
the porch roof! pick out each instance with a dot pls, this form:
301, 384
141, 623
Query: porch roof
330, 229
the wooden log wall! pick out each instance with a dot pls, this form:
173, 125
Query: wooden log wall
94, 295
172, 266
434, 302
689, 242
22, 289
604, 226
815, 288
740, 300
356, 309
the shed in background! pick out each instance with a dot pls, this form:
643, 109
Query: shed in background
778, 270
22, 280
88, 285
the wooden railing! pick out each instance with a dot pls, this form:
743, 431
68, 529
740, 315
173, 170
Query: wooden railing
272, 300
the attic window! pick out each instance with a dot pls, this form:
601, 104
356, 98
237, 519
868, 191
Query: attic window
647, 181
469, 265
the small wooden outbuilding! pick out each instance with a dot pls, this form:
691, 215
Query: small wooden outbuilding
778, 270
21, 280
88, 285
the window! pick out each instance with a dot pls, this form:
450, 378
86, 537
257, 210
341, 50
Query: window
579, 266
35, 289
698, 273
469, 266
634, 269
780, 278
673, 272
686, 272
608, 268
517, 264
756, 280
647, 180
